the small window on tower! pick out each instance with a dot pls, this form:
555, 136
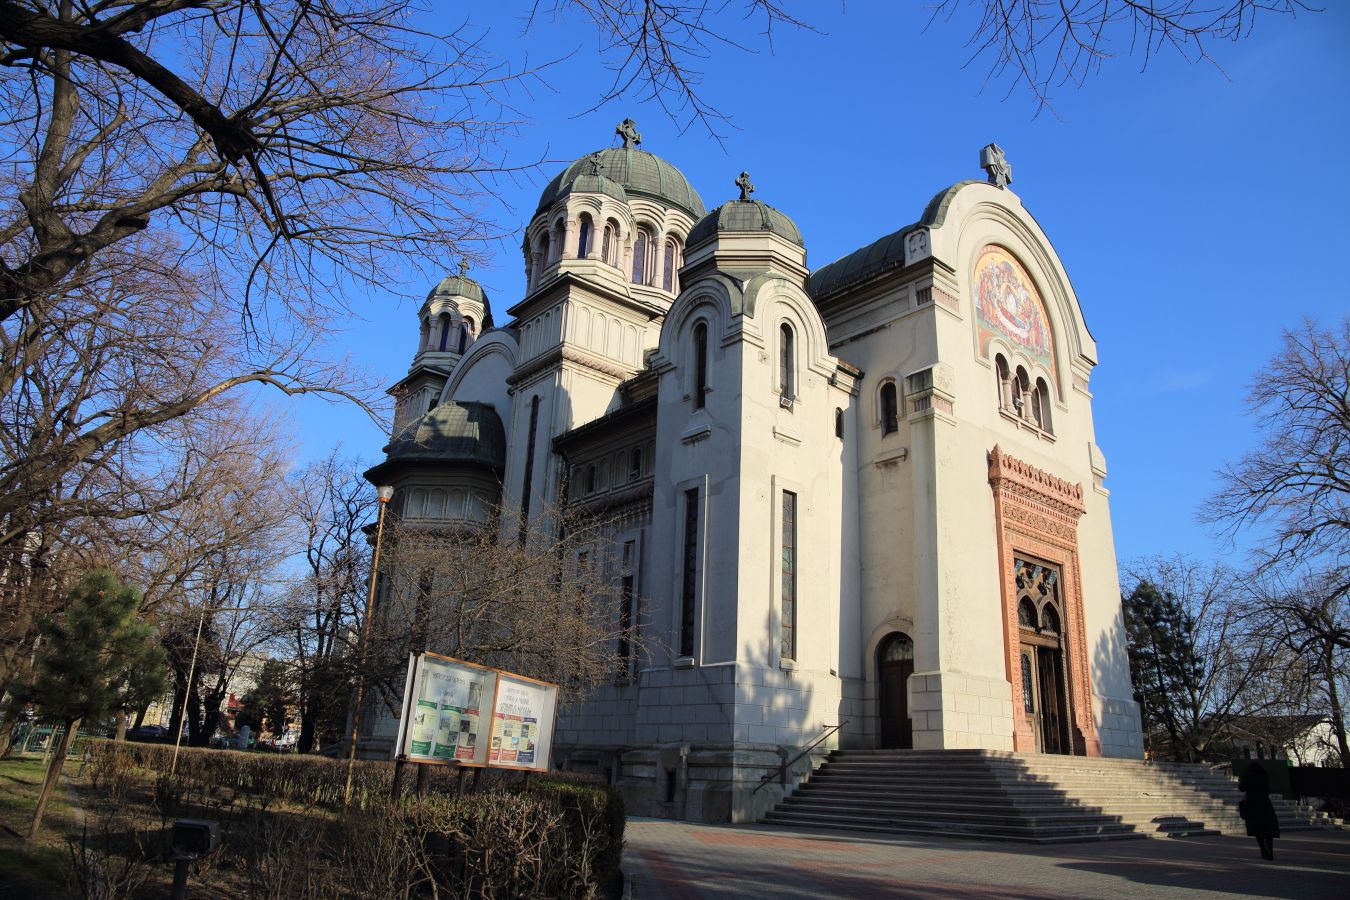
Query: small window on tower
890, 409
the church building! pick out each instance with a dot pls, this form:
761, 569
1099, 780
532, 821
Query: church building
866, 496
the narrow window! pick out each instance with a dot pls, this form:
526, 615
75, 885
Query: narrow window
788, 623
668, 275
635, 464
640, 258
444, 324
1043, 406
1004, 382
689, 588
839, 423
463, 337
1019, 393
890, 409
787, 387
584, 237
590, 480
529, 470
700, 363
627, 586
607, 243
468, 323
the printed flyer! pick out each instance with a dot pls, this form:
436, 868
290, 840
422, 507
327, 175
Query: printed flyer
522, 723
447, 710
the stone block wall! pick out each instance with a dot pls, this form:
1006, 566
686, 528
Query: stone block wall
955, 710
1119, 727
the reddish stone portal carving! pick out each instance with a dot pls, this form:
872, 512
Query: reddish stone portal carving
1037, 515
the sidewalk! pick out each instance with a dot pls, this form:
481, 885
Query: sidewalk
681, 861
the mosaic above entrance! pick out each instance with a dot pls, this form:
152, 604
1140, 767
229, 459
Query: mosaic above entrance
1008, 306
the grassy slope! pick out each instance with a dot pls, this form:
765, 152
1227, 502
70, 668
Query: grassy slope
34, 869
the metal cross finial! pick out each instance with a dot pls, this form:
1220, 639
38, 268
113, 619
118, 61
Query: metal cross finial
594, 162
627, 129
996, 164
463, 266
744, 184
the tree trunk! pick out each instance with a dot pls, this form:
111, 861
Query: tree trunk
121, 725
308, 725
7, 735
1334, 699
54, 767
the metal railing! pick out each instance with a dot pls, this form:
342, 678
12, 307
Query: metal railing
781, 771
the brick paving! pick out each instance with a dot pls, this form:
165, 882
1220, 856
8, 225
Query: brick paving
681, 861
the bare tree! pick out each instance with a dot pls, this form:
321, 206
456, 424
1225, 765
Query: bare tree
1040, 45
316, 625
1195, 664
1297, 482
551, 606
1308, 617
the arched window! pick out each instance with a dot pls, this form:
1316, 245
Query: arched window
1043, 406
443, 322
464, 336
1026, 614
425, 342
700, 364
890, 409
839, 423
897, 649
540, 258
641, 247
584, 237
469, 324
609, 242
1021, 387
635, 464
1049, 620
590, 480
668, 273
787, 374
559, 235
1004, 382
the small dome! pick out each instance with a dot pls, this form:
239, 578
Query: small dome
452, 432
635, 172
458, 286
742, 216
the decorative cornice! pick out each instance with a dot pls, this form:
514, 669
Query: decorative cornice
1009, 473
570, 354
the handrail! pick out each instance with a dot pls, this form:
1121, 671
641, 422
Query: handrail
781, 771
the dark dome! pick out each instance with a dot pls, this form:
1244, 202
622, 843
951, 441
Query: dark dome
744, 215
451, 433
459, 286
636, 172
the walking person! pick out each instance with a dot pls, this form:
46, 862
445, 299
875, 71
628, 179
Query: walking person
1257, 810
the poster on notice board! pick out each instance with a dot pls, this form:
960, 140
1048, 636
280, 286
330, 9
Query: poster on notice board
522, 723
446, 710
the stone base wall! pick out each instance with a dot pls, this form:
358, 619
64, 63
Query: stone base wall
607, 717
1119, 727
858, 707
711, 782
955, 710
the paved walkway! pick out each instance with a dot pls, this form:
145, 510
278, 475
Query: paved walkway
679, 861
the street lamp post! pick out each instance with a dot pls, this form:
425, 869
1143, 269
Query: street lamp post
385, 494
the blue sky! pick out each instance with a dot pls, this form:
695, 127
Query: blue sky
1197, 211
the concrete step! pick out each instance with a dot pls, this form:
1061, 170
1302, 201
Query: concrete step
901, 825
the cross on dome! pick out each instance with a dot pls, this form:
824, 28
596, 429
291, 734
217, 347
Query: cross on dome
744, 184
627, 129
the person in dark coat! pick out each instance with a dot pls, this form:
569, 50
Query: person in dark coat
1257, 810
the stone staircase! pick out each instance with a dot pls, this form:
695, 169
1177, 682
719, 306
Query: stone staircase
1020, 797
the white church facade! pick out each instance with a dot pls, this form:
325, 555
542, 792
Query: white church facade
866, 496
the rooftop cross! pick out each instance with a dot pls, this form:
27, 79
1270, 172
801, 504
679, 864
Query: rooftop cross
627, 129
463, 266
744, 184
996, 164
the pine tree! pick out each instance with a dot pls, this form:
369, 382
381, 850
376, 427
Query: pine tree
96, 658
1168, 672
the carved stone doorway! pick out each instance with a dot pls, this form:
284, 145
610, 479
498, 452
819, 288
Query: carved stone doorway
895, 663
1044, 701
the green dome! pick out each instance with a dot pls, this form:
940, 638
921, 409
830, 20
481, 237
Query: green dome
458, 286
742, 216
450, 433
635, 172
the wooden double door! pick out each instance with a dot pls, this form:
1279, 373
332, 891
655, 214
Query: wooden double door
1044, 698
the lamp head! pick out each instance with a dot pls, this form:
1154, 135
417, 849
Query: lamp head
386, 493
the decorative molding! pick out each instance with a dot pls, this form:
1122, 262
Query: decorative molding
1036, 514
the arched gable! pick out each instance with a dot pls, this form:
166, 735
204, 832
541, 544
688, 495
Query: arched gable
481, 375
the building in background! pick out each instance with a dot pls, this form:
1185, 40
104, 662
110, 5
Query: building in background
868, 494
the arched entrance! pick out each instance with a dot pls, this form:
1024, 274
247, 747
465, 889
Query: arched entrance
895, 663
1044, 700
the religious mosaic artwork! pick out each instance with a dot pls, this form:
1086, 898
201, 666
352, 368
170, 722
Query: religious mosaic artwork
1008, 306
